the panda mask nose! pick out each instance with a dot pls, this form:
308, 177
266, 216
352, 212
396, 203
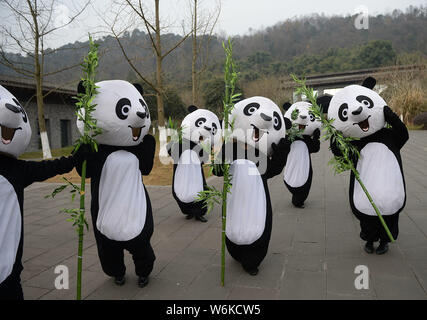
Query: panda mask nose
12, 108
207, 128
303, 117
357, 111
140, 114
265, 117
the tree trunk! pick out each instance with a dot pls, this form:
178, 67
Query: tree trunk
159, 79
194, 60
39, 94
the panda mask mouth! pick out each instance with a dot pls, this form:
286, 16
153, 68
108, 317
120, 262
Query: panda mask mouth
257, 133
364, 125
302, 126
7, 134
136, 132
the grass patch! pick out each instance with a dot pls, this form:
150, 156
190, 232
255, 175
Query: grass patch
414, 127
56, 153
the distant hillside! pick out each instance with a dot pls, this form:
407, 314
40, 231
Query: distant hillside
312, 44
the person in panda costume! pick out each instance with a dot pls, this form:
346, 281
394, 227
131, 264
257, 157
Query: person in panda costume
256, 153
199, 127
15, 176
359, 112
298, 172
120, 207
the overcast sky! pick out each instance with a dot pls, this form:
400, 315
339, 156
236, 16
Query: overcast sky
237, 16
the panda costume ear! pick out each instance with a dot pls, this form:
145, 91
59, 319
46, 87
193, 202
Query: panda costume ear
286, 106
323, 102
288, 123
80, 87
369, 83
139, 88
192, 108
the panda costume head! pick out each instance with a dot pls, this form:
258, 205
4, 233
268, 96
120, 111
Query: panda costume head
257, 122
305, 120
121, 113
15, 127
358, 111
201, 126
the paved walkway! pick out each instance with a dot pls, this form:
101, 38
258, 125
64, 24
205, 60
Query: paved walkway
313, 252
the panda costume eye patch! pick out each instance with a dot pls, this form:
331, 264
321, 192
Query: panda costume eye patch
214, 128
147, 112
251, 108
277, 121
200, 122
343, 112
366, 101
17, 109
122, 108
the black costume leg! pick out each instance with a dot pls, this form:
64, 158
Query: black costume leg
369, 228
392, 222
298, 198
143, 257
111, 256
11, 289
234, 250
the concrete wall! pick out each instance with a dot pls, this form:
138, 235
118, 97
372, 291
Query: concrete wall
54, 112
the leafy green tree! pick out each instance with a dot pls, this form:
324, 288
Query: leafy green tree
213, 94
377, 53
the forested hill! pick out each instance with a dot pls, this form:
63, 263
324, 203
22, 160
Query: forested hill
307, 45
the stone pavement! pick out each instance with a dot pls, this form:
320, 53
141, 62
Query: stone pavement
313, 252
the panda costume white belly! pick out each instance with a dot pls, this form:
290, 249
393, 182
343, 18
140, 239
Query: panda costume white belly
10, 227
246, 205
297, 167
122, 202
384, 182
188, 179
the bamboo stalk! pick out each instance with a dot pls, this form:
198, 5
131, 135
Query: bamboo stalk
226, 168
81, 232
90, 131
212, 195
224, 221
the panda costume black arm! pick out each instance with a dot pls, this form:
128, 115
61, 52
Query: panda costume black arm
313, 142
277, 162
35, 171
145, 152
399, 130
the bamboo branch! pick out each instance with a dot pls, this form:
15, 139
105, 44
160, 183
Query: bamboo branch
348, 150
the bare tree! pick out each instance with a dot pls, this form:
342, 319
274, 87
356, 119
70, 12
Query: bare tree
154, 30
200, 47
34, 22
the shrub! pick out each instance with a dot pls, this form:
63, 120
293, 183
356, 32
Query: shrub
421, 119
